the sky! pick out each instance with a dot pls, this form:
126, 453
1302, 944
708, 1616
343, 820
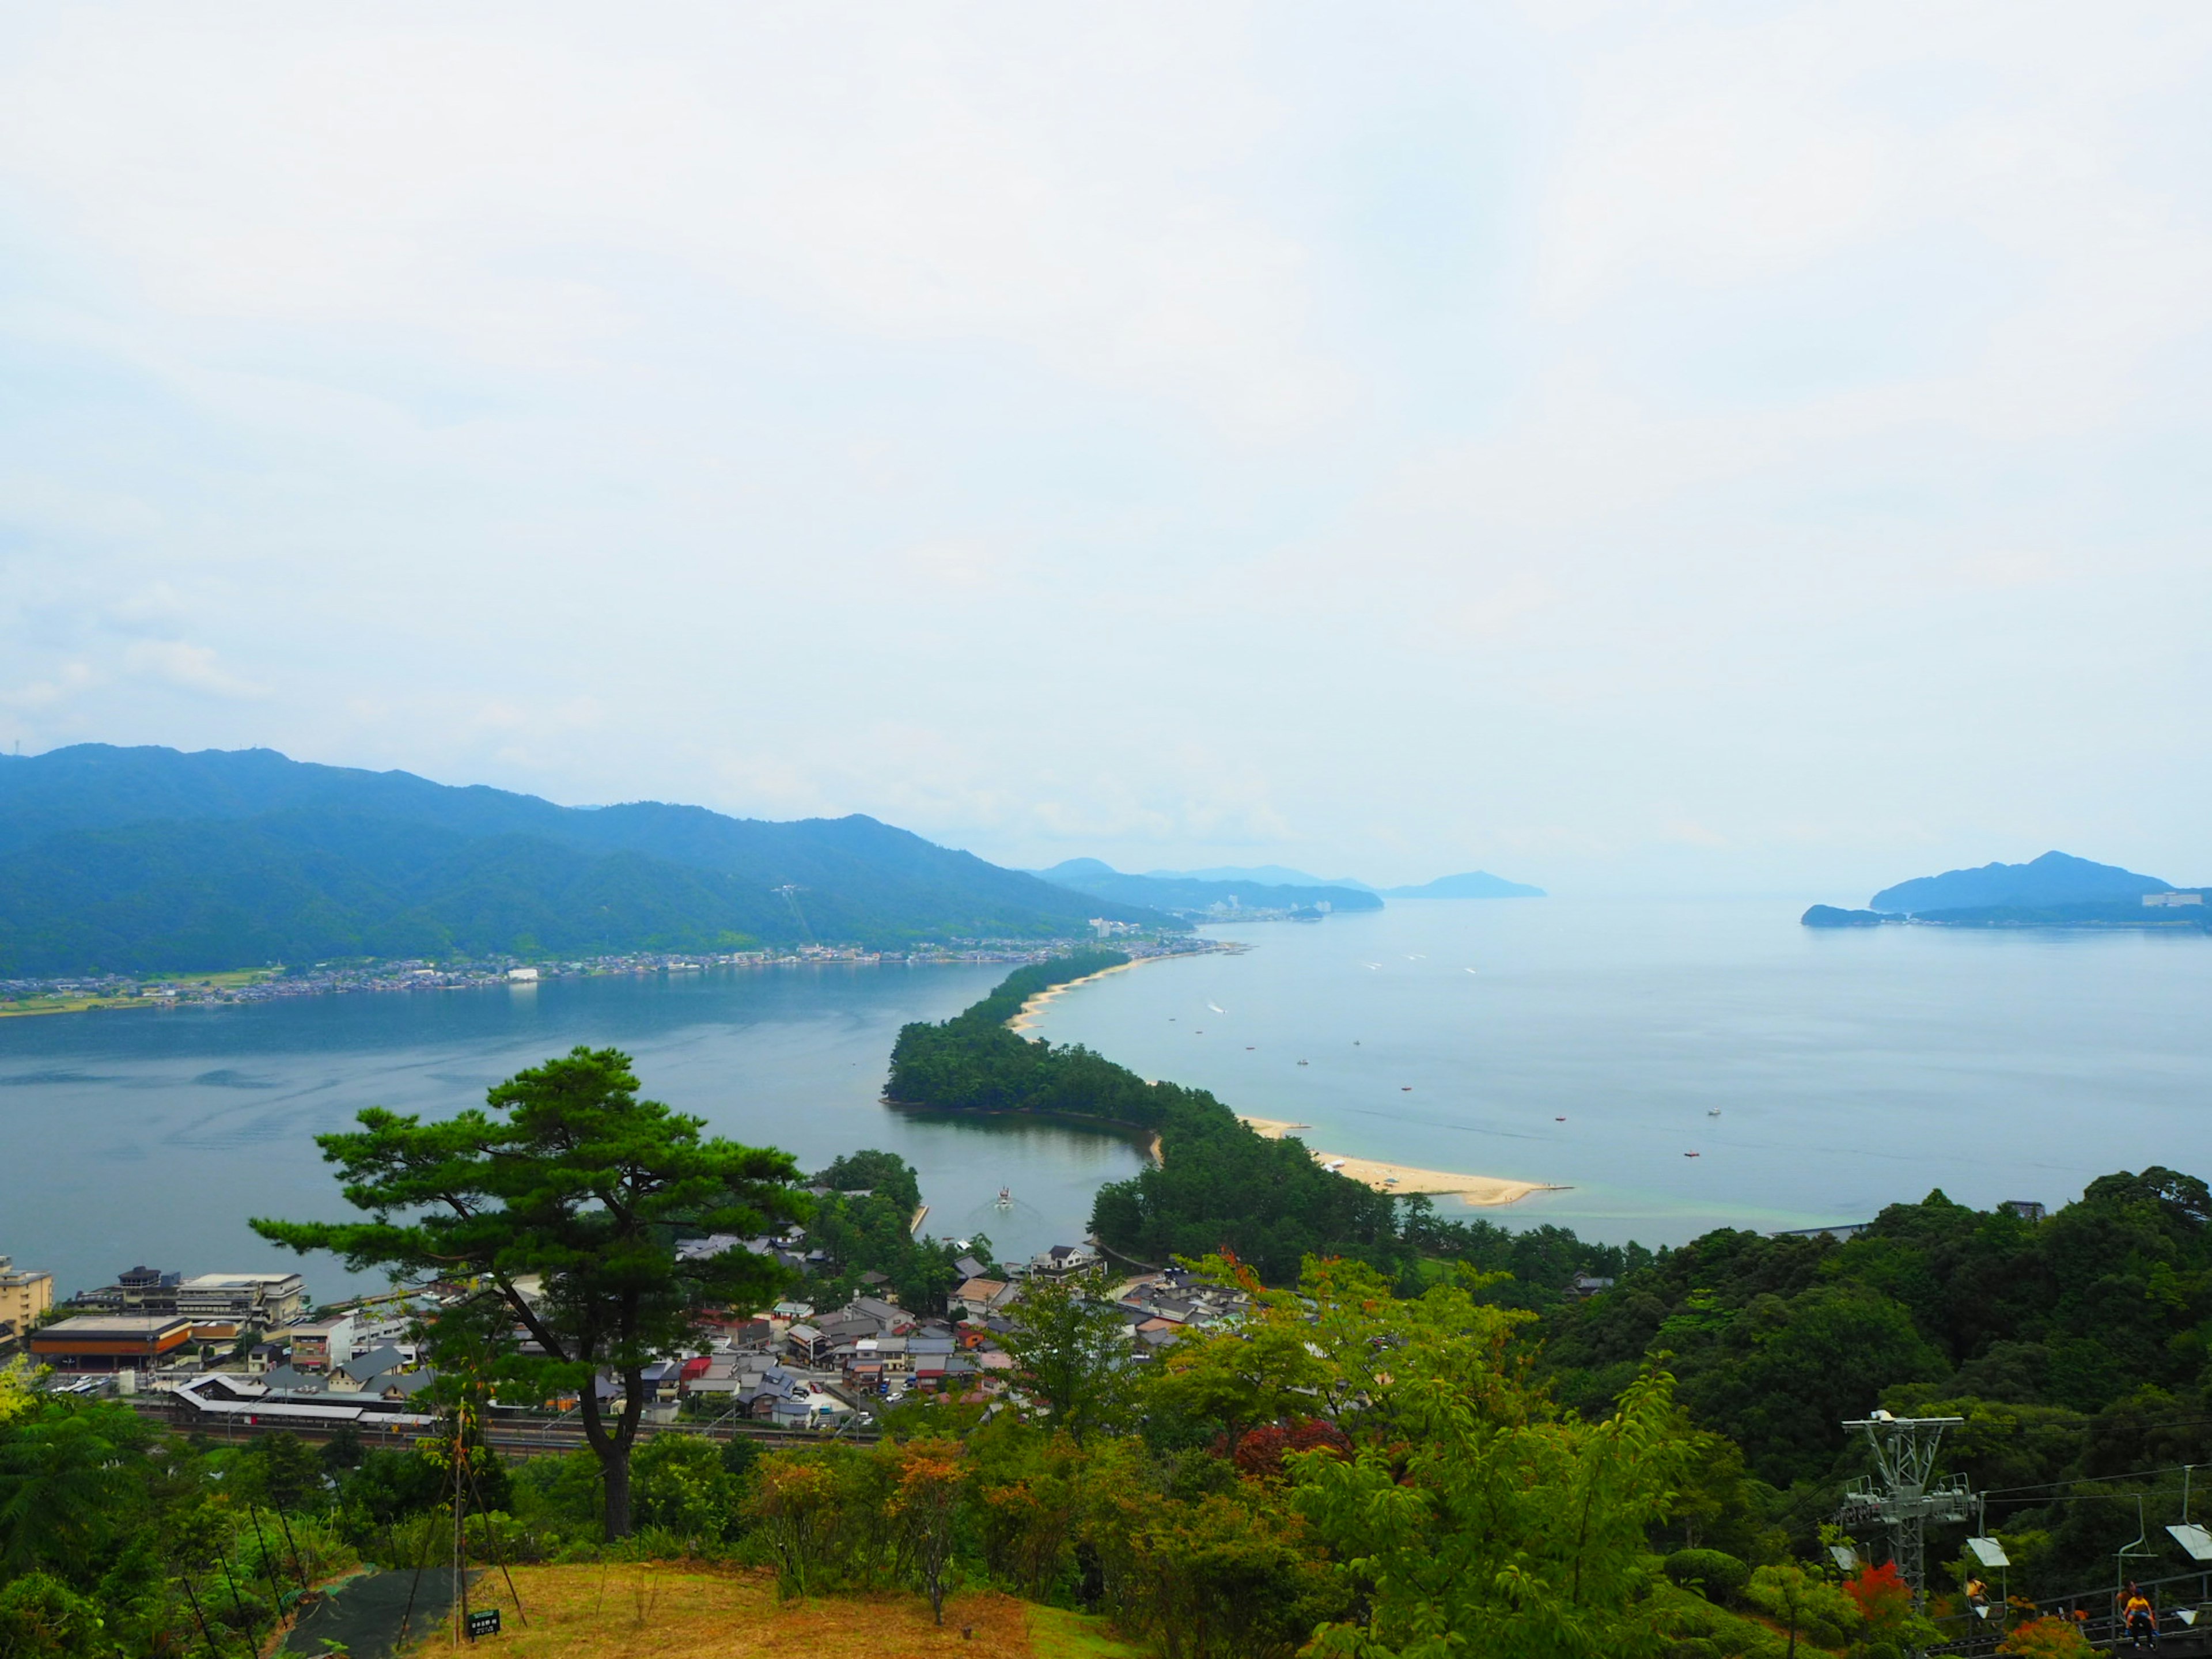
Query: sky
1640, 447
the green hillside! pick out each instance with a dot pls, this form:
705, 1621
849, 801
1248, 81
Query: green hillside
148, 859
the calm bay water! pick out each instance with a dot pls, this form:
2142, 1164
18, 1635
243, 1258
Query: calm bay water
1849, 1069
151, 1135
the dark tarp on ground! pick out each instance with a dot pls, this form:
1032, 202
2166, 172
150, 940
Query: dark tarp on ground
363, 1614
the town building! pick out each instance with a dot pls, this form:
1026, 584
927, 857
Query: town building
226, 1303
322, 1346
110, 1342
234, 1303
979, 1298
1062, 1261
27, 1295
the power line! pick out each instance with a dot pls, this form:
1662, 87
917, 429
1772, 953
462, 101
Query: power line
2093, 1479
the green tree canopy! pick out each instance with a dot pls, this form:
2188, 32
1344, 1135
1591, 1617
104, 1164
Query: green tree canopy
568, 1179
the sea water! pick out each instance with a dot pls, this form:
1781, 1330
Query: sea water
151, 1135
1817, 1075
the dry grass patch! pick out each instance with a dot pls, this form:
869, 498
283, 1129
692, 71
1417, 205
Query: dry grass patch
620, 1610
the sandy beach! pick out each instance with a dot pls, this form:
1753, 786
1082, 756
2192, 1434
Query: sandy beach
1486, 1191
1028, 1015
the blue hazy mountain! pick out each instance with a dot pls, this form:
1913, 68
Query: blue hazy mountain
1187, 895
1475, 884
1827, 915
132, 859
2054, 879
1273, 875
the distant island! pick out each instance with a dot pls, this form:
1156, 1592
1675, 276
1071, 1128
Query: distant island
1827, 915
1475, 884
1192, 898
2055, 891
149, 859
1273, 875
1271, 887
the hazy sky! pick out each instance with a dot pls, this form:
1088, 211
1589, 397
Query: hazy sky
1724, 446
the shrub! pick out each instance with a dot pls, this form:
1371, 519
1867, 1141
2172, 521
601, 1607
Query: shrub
42, 1618
1718, 1574
2046, 1638
1798, 1600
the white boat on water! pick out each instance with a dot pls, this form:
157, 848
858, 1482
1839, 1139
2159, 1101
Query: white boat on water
1005, 1199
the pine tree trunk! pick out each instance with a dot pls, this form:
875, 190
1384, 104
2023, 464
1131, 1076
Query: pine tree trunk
613, 1453
615, 1470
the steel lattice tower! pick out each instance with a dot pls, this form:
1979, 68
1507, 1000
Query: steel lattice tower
1905, 1461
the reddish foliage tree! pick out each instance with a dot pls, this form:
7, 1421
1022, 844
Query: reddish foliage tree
1882, 1596
1260, 1451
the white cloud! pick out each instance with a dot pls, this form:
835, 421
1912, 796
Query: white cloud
188, 668
1593, 434
42, 693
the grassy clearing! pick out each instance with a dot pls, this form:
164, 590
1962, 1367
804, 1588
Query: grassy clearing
230, 980
12, 1010
617, 1610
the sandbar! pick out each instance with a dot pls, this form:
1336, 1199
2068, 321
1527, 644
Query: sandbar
1483, 1191
1026, 1016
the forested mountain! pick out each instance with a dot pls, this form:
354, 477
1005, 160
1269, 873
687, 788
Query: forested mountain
1473, 884
129, 859
2055, 878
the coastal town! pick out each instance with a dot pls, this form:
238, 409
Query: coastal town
233, 1352
277, 982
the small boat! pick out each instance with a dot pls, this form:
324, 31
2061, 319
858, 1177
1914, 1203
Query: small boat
1248, 1048
1302, 1062
1005, 1198
1691, 1155
1558, 1119
1217, 1007
1712, 1111
1405, 1088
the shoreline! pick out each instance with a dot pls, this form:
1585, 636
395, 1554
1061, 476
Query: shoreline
1403, 1180
1026, 1016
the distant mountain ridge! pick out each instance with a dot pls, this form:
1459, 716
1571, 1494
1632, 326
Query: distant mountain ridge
149, 859
2056, 879
1474, 884
2055, 891
1185, 895
1273, 875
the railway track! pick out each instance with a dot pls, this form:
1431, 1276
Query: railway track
514, 1439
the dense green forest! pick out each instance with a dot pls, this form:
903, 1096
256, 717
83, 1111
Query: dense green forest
864, 1222
147, 859
2077, 1347
1424, 1437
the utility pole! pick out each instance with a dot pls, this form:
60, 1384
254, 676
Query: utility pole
1905, 1461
